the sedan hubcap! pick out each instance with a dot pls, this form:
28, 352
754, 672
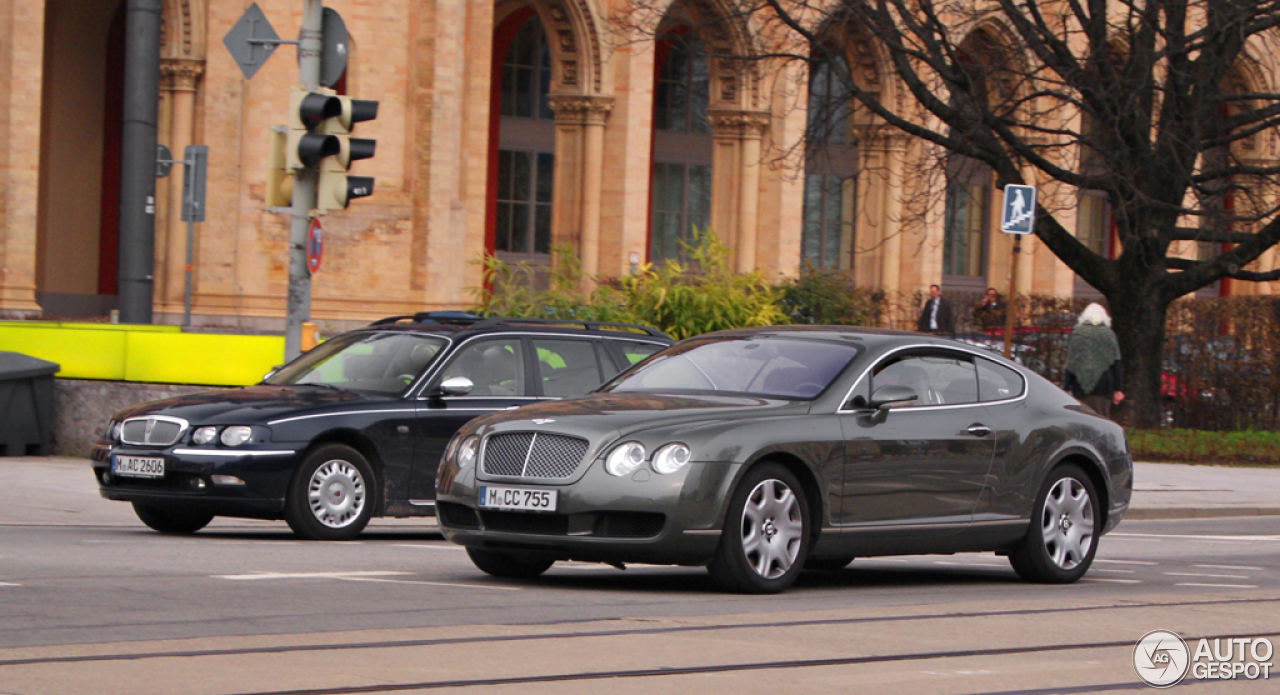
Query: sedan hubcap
772, 528
336, 493
1067, 523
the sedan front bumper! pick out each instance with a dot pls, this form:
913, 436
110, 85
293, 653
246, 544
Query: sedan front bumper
188, 480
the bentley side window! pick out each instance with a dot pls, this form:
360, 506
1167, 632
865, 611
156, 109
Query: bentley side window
936, 379
495, 367
997, 382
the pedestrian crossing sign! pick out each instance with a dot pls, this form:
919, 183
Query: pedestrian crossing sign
1019, 209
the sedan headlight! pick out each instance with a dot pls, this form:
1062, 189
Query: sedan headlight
625, 458
204, 435
235, 436
671, 458
467, 451
113, 431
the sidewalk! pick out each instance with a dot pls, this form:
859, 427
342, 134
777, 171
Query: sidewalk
62, 491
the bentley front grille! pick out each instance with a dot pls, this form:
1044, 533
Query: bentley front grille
152, 430
533, 455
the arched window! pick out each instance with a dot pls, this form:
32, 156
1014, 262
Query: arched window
681, 187
524, 169
831, 163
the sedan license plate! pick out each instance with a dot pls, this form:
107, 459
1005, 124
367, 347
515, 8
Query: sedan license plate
523, 499
138, 466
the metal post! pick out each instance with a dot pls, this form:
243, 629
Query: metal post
1013, 295
186, 284
138, 160
298, 308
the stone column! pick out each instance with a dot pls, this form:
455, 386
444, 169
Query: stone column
582, 119
178, 77
888, 148
743, 131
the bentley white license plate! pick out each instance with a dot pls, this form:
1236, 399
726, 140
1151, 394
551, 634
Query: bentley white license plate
138, 466
524, 499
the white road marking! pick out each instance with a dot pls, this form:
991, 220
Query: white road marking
1223, 586
1127, 562
1101, 569
1112, 581
1194, 537
1210, 576
1231, 567
414, 581
424, 546
255, 576
9, 584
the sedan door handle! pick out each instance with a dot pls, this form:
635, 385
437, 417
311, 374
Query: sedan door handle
979, 430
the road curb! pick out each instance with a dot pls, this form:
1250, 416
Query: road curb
1166, 513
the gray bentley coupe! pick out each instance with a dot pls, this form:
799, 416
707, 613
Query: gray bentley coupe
762, 452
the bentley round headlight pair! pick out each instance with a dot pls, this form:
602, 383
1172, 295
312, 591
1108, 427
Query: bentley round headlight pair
231, 436
629, 456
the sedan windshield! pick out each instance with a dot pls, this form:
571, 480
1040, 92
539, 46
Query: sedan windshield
768, 366
380, 363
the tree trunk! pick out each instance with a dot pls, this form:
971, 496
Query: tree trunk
1137, 317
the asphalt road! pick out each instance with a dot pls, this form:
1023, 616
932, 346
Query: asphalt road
111, 607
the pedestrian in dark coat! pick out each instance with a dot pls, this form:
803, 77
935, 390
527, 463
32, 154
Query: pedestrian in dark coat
1094, 374
936, 315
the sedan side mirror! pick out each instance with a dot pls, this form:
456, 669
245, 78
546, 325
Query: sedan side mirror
457, 386
887, 397
272, 373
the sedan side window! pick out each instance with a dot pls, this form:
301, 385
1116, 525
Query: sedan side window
936, 379
997, 382
495, 367
568, 367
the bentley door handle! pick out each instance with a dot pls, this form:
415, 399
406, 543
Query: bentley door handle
979, 430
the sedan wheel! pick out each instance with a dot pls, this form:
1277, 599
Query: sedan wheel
765, 540
1060, 544
331, 497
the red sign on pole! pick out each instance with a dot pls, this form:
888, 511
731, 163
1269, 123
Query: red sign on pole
315, 245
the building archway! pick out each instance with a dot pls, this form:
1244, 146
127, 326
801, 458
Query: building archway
79, 190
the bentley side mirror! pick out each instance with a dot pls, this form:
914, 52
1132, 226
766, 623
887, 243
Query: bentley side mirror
457, 386
888, 397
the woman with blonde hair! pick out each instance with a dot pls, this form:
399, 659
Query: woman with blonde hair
1093, 372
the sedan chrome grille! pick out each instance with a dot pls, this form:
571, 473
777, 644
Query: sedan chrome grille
153, 430
533, 455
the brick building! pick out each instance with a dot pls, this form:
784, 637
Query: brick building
504, 128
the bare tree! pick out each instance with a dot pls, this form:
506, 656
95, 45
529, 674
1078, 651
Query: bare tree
1165, 108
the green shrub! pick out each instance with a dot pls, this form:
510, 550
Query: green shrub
683, 299
829, 297
1255, 447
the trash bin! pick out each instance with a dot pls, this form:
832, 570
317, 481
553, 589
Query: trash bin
26, 404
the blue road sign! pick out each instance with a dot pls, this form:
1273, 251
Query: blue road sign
1019, 209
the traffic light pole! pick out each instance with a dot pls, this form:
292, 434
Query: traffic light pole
138, 161
298, 308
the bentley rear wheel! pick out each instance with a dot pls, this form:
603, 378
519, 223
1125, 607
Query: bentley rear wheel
1060, 544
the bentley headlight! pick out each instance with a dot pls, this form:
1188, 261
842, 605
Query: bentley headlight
625, 458
467, 451
671, 458
235, 436
204, 435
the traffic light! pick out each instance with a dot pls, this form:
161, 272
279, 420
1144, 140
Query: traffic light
337, 188
307, 143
